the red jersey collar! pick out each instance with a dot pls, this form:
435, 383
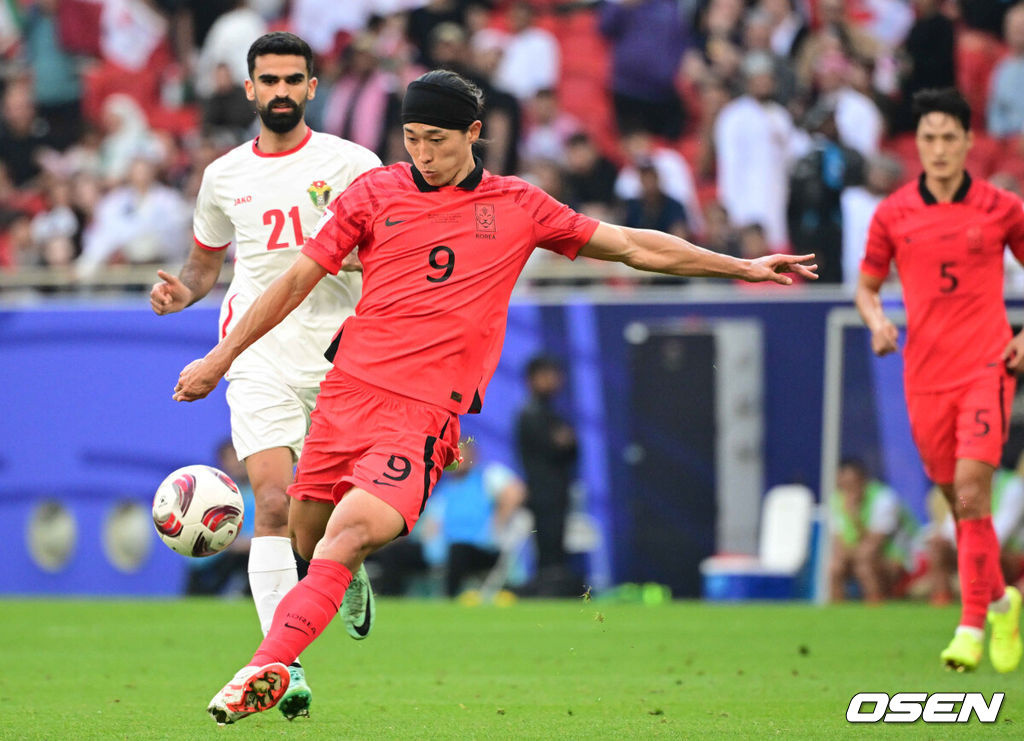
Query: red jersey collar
958, 197
293, 150
468, 183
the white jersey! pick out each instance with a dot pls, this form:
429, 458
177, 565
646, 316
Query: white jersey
268, 204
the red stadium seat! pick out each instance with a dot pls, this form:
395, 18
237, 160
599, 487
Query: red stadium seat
977, 54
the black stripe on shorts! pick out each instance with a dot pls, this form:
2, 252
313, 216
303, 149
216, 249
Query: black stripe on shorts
428, 466
1004, 425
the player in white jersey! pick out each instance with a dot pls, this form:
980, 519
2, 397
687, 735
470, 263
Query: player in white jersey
267, 195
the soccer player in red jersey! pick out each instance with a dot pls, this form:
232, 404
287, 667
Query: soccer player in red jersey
947, 233
442, 243
264, 195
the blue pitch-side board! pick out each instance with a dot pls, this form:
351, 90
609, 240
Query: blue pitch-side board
88, 419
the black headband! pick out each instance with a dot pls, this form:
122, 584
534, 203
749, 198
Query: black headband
438, 105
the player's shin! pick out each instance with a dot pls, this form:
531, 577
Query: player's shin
304, 612
977, 559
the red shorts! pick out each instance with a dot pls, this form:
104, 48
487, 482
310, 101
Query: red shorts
971, 421
362, 436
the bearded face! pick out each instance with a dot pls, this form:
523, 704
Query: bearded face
279, 88
281, 115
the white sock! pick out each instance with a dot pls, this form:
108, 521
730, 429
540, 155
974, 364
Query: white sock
1001, 605
970, 630
271, 574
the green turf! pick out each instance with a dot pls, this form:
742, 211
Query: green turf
536, 670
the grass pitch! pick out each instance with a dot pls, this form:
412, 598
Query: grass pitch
77, 669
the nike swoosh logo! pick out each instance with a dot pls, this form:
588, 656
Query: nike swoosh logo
385, 483
294, 627
364, 627
389, 222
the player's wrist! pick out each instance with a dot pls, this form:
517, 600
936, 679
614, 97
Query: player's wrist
219, 359
878, 324
747, 270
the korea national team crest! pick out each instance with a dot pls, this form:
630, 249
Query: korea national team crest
319, 193
975, 240
485, 218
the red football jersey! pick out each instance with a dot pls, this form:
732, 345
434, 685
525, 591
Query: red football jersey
439, 265
949, 257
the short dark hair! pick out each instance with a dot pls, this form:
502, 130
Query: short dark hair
282, 43
455, 81
854, 463
946, 100
541, 363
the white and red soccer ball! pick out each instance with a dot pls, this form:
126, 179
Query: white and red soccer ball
198, 511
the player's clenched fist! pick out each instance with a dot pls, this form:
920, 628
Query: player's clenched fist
885, 339
196, 380
1013, 355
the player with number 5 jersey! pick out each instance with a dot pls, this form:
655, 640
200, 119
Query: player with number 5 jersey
266, 196
947, 233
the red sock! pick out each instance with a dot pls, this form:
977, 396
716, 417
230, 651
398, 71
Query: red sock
996, 579
304, 612
977, 559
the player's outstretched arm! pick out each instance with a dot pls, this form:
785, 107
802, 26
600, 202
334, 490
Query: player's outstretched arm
884, 335
198, 276
657, 252
287, 291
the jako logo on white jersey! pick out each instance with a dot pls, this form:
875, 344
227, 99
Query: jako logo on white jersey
908, 707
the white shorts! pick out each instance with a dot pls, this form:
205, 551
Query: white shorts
266, 413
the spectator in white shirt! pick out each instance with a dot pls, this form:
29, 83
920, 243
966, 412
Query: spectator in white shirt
126, 136
858, 119
530, 58
547, 129
229, 35
754, 138
883, 175
141, 222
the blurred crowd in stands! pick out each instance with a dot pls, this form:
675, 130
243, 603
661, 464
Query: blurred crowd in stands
748, 126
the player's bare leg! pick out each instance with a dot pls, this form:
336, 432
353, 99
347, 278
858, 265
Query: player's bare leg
272, 571
867, 568
839, 571
941, 566
307, 521
359, 525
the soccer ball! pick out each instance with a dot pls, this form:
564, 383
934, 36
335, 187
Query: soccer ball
198, 511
